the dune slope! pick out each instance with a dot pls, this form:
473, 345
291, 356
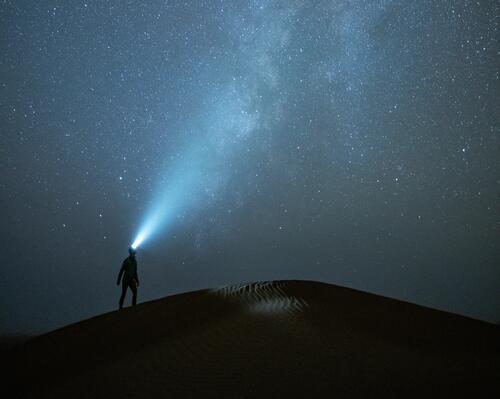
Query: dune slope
268, 339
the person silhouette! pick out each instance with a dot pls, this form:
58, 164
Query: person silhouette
130, 279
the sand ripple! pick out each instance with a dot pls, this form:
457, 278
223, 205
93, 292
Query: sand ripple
263, 298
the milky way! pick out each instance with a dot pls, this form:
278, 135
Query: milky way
352, 142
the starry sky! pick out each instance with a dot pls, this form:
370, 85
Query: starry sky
354, 142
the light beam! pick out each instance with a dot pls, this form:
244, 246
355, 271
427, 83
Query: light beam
199, 174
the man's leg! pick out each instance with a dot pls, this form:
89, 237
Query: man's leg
133, 287
124, 292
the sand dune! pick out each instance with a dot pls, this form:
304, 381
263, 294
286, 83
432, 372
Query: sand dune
269, 339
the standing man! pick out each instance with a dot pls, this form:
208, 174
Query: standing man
130, 278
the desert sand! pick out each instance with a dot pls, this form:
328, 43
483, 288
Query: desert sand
279, 339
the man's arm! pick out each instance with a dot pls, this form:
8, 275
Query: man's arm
136, 276
120, 274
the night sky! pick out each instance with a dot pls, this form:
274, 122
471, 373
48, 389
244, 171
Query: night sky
351, 142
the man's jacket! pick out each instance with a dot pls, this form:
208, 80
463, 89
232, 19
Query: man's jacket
128, 271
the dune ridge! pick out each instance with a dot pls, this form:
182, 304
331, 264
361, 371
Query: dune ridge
263, 339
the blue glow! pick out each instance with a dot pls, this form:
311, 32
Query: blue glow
197, 176
174, 198
234, 111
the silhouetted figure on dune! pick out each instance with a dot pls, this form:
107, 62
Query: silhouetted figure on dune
130, 279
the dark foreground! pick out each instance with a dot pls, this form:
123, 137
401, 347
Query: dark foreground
277, 339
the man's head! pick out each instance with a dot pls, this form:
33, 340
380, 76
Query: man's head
131, 251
